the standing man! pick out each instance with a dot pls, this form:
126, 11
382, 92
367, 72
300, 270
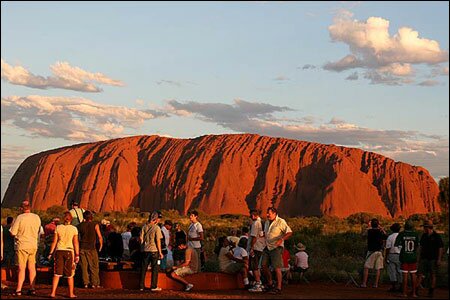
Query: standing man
77, 214
9, 245
276, 230
89, 232
408, 242
255, 245
150, 237
26, 231
195, 235
166, 235
376, 237
430, 255
393, 258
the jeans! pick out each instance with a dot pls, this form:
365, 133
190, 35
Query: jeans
152, 259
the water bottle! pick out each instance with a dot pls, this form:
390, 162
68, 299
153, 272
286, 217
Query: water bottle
159, 262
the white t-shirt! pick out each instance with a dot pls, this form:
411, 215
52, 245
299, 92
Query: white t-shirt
274, 231
166, 235
65, 237
194, 232
240, 253
256, 231
390, 242
126, 236
26, 229
301, 259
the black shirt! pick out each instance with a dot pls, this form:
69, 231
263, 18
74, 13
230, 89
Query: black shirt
88, 235
180, 237
429, 245
375, 238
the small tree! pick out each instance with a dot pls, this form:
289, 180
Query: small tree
443, 193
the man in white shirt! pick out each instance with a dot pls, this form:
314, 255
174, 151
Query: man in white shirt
392, 254
276, 231
25, 229
166, 232
255, 245
195, 235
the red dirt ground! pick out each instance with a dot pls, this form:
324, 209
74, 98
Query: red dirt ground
291, 291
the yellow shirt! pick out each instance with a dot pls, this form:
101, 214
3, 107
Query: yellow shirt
26, 231
65, 237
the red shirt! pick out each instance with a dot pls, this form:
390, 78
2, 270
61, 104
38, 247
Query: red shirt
286, 258
50, 228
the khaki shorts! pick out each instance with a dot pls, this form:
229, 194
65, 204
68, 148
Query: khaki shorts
374, 260
273, 257
25, 256
183, 271
234, 268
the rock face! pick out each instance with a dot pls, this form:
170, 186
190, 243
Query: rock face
223, 174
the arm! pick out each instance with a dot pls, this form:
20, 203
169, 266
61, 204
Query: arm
284, 237
199, 238
100, 238
438, 261
158, 245
53, 246
76, 247
187, 260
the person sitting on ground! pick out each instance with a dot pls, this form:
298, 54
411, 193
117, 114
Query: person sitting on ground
233, 262
376, 236
301, 260
189, 266
65, 248
233, 238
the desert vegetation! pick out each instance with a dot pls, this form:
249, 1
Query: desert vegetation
335, 246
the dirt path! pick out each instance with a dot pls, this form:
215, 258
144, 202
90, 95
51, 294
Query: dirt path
292, 291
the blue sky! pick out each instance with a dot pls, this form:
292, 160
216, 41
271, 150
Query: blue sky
371, 75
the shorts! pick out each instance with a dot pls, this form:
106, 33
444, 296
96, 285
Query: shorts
183, 271
300, 270
64, 265
374, 260
427, 266
25, 256
254, 260
234, 268
408, 267
272, 258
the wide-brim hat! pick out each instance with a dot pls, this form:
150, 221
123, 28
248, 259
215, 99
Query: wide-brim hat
300, 246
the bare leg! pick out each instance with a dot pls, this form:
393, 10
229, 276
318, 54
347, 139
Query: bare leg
377, 278
54, 286
178, 278
21, 277
279, 277
32, 272
70, 283
365, 276
266, 273
413, 283
257, 275
404, 284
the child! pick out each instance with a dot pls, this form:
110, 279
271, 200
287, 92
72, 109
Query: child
301, 260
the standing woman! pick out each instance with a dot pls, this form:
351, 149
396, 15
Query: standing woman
67, 254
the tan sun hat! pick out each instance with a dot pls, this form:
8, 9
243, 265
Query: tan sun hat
300, 246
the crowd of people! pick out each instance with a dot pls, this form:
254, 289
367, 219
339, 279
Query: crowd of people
257, 252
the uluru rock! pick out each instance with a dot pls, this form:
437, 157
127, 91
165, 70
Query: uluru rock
221, 174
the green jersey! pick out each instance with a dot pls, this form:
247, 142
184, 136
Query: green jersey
408, 242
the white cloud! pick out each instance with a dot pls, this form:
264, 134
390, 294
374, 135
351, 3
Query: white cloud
353, 76
385, 58
65, 77
259, 118
428, 83
281, 78
73, 118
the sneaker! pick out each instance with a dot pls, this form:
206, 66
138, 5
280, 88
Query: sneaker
363, 286
96, 286
156, 289
375, 286
86, 286
188, 287
256, 289
141, 290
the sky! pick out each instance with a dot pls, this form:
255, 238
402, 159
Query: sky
368, 75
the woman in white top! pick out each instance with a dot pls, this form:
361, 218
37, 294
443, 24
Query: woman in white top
67, 254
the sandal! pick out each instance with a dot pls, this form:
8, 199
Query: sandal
32, 292
17, 293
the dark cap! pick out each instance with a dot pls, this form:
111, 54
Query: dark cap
75, 203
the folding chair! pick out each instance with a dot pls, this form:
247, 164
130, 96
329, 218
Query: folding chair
351, 279
331, 278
